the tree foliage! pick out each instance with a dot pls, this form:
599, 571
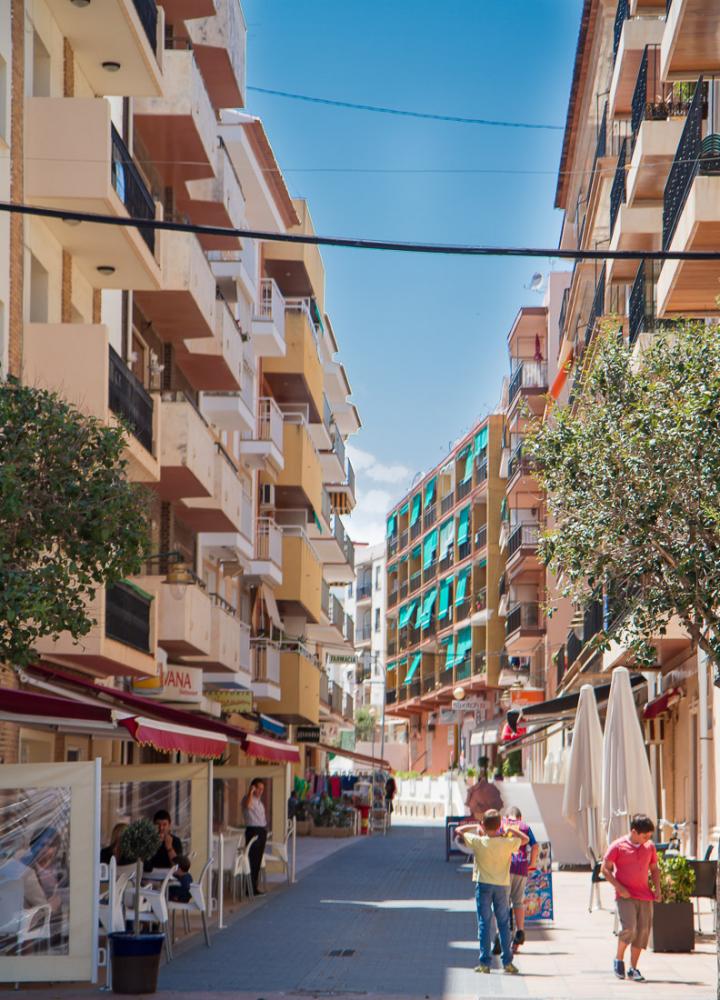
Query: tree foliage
632, 474
69, 519
364, 724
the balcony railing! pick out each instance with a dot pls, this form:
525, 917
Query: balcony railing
573, 645
272, 304
481, 465
642, 317
147, 13
268, 541
127, 617
129, 400
404, 535
270, 422
414, 689
415, 581
516, 460
392, 647
392, 545
528, 375
447, 503
463, 670
430, 516
618, 191
694, 156
463, 550
390, 697
463, 489
592, 619
481, 537
598, 305
622, 14
338, 446
481, 599
428, 684
523, 534
324, 689
364, 590
392, 598
655, 100
524, 615
416, 529
265, 657
363, 633
403, 589
480, 663
130, 187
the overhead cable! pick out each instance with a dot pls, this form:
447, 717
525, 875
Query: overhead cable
400, 246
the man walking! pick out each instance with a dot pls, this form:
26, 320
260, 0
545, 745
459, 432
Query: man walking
523, 861
627, 864
492, 850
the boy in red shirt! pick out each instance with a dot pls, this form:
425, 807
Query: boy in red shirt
628, 865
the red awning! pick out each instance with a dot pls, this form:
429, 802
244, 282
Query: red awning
265, 748
560, 380
361, 758
509, 734
174, 739
663, 703
21, 706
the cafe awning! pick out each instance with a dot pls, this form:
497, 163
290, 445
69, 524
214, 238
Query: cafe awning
174, 739
566, 704
28, 707
360, 758
265, 748
663, 703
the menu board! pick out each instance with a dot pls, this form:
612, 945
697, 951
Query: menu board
539, 888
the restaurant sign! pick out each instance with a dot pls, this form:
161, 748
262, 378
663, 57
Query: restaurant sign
173, 683
233, 700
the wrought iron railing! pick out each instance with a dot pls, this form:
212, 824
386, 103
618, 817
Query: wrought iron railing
416, 529
560, 664
694, 155
390, 697
515, 460
592, 619
147, 12
515, 383
127, 617
618, 190
447, 503
463, 489
415, 581
598, 307
482, 469
524, 615
430, 516
523, 534
128, 398
481, 537
130, 187
573, 645
364, 591
622, 14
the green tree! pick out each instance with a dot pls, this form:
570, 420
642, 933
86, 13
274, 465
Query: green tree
69, 519
364, 724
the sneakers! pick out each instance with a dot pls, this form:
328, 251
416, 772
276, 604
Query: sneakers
619, 968
511, 970
482, 968
636, 975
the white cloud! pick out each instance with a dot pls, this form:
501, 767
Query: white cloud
379, 472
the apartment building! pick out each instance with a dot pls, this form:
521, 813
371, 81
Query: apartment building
370, 624
443, 571
639, 172
216, 351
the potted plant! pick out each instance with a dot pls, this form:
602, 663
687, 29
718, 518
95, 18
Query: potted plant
135, 957
673, 917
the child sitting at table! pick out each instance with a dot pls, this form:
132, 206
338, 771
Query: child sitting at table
179, 892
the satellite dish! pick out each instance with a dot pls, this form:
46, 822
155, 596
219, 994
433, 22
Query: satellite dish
537, 282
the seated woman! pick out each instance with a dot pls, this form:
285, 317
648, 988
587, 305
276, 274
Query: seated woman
113, 848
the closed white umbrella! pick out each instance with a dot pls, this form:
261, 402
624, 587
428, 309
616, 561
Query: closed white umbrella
627, 782
582, 802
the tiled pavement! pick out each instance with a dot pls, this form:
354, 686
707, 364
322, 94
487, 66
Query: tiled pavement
407, 918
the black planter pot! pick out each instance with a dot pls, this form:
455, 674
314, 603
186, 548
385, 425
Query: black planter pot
135, 962
673, 928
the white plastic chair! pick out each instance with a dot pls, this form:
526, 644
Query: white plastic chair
278, 852
111, 911
196, 904
32, 924
241, 870
154, 908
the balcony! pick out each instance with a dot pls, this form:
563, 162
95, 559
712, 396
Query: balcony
363, 591
263, 446
331, 630
429, 516
333, 460
75, 159
343, 493
219, 43
185, 309
133, 26
187, 454
630, 38
691, 220
299, 595
524, 627
237, 272
265, 657
122, 640
529, 382
77, 361
297, 377
299, 700
229, 651
178, 130
481, 537
642, 314
222, 511
233, 410
266, 565
300, 482
184, 616
215, 201
268, 325
297, 267
691, 41
215, 363
522, 551
336, 552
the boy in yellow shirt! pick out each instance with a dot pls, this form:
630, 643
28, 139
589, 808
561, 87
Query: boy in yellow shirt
492, 850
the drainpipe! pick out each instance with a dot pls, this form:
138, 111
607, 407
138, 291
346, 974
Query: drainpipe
705, 737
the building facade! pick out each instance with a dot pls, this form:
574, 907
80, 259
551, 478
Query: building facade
217, 352
370, 624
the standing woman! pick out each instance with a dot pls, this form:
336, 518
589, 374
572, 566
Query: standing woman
255, 826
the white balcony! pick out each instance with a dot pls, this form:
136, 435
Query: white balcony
215, 363
265, 668
230, 411
264, 444
268, 555
268, 325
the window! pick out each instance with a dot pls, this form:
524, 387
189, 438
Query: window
378, 570
377, 619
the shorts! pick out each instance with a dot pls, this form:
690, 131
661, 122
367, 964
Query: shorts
635, 917
516, 890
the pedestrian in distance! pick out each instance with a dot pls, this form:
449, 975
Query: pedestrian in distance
630, 864
390, 793
492, 849
523, 862
255, 826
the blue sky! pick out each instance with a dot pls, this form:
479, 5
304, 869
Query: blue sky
423, 338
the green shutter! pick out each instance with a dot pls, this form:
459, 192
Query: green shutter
406, 613
415, 512
449, 652
417, 659
392, 525
391, 666
462, 586
427, 607
392, 569
468, 466
447, 537
430, 549
317, 522
463, 526
483, 562
405, 508
464, 644
481, 440
430, 492
444, 604
504, 515
415, 554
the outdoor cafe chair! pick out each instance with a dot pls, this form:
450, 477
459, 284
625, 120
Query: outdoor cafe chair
279, 852
24, 925
111, 913
242, 871
154, 908
196, 904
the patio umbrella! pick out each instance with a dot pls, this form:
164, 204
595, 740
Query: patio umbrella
627, 782
582, 802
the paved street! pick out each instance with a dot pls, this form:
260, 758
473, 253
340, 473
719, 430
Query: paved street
405, 920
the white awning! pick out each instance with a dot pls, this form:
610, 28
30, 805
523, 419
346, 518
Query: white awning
486, 735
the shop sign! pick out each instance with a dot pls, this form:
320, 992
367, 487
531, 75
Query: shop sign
307, 734
233, 701
173, 683
447, 717
469, 705
526, 696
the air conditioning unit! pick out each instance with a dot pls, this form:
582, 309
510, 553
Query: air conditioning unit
267, 495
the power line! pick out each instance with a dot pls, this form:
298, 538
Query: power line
455, 119
401, 246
